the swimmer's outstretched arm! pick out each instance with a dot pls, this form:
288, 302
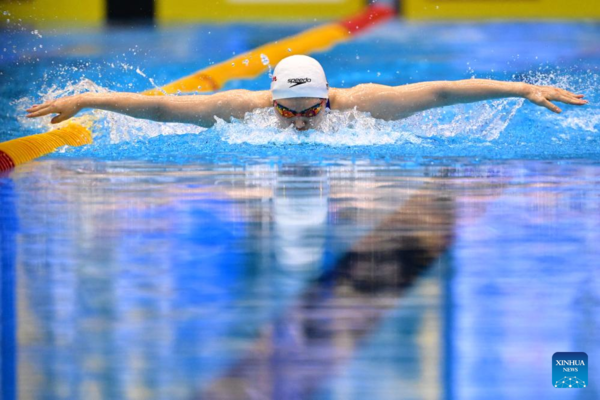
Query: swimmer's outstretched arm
397, 102
196, 109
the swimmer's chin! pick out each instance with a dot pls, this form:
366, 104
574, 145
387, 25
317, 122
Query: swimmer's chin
299, 131
294, 129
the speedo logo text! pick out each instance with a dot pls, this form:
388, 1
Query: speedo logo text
298, 81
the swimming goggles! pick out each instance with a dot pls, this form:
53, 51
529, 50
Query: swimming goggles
308, 113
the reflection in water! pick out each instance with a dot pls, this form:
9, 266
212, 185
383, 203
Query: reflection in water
177, 281
304, 346
353, 281
300, 205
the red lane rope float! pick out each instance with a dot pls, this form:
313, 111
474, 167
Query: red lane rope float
210, 79
6, 162
19, 151
374, 15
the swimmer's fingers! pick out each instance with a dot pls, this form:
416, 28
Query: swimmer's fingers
544, 95
541, 100
38, 107
570, 98
39, 112
564, 96
34, 107
550, 106
65, 108
577, 102
62, 116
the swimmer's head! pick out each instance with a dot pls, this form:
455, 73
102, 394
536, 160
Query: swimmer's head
302, 113
300, 92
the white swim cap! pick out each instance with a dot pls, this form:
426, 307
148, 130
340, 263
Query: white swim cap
299, 76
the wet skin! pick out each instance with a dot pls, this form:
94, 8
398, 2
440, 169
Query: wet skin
300, 104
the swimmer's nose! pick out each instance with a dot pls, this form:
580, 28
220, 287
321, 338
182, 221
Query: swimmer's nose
300, 124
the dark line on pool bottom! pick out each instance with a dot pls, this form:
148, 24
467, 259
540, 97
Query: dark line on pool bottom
448, 330
8, 346
300, 350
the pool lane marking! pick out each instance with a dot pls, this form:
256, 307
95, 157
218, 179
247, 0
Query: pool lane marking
245, 66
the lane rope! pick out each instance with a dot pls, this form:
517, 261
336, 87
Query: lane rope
21, 150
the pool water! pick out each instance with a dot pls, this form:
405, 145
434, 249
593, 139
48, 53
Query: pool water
446, 256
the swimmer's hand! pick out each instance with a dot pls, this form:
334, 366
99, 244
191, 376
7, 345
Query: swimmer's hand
65, 107
544, 95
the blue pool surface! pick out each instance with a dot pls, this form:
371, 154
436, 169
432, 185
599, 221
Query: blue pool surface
446, 256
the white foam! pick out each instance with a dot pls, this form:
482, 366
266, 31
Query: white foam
581, 119
122, 128
355, 128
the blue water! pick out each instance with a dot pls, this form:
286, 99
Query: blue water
447, 256
565, 55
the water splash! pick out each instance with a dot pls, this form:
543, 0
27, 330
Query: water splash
355, 128
483, 121
121, 128
339, 129
154, 85
480, 128
581, 119
48, 94
116, 127
585, 119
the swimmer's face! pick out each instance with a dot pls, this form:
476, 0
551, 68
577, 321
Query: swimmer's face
297, 105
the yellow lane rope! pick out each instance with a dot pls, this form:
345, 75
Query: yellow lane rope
21, 150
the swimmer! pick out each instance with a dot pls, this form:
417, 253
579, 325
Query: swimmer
299, 95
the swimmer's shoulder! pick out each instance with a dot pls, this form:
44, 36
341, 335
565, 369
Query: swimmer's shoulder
252, 99
336, 97
348, 98
262, 99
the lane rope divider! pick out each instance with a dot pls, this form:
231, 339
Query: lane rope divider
21, 150
244, 66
